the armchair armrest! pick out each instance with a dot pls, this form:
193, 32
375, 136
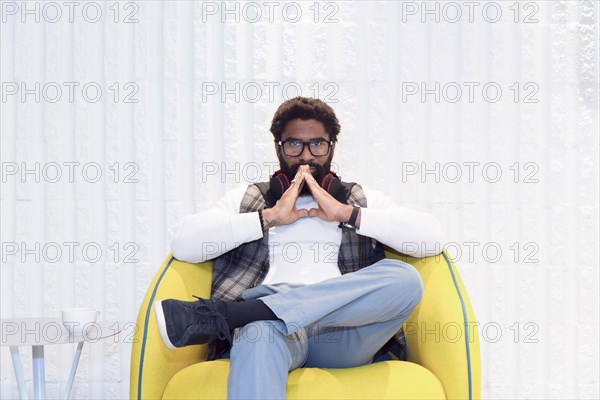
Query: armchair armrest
152, 364
441, 333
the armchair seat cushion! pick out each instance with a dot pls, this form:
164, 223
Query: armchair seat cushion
381, 380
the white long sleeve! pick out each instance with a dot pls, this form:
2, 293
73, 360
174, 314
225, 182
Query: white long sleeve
210, 233
414, 233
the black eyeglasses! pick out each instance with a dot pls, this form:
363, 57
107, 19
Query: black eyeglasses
295, 147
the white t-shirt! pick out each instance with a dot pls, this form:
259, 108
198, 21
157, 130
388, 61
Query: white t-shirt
305, 251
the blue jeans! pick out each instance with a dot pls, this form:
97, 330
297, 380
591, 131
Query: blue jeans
338, 323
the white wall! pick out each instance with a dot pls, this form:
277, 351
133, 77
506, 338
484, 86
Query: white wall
542, 293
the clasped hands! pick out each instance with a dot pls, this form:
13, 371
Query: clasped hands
285, 211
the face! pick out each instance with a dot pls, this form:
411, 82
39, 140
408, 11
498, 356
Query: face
305, 130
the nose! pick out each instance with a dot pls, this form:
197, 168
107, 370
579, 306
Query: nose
305, 155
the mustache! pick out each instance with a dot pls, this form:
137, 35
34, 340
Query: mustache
319, 172
294, 168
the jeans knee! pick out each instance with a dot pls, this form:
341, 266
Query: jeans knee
258, 333
414, 282
404, 283
264, 341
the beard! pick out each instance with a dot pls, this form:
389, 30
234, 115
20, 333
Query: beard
292, 170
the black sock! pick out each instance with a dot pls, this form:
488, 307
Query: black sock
242, 313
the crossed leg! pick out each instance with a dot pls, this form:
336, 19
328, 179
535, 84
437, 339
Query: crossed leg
338, 323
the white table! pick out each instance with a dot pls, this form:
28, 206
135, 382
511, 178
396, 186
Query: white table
39, 332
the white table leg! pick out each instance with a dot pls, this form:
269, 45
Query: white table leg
16, 359
39, 379
73, 370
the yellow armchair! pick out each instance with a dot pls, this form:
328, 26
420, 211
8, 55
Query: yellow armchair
443, 346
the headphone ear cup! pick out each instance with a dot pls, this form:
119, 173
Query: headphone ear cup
331, 183
279, 184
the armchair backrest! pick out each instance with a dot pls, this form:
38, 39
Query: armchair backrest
441, 333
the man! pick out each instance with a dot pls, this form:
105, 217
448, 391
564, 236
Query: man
302, 279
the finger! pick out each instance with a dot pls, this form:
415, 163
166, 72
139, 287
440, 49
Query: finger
300, 172
297, 177
313, 212
310, 179
315, 188
302, 178
303, 213
297, 182
300, 181
299, 188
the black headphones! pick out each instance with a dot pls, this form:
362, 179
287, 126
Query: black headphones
280, 182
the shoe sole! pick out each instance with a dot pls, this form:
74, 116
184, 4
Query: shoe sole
162, 325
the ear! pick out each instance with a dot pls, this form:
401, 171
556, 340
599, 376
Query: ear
278, 151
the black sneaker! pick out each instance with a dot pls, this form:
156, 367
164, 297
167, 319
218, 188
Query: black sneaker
184, 323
